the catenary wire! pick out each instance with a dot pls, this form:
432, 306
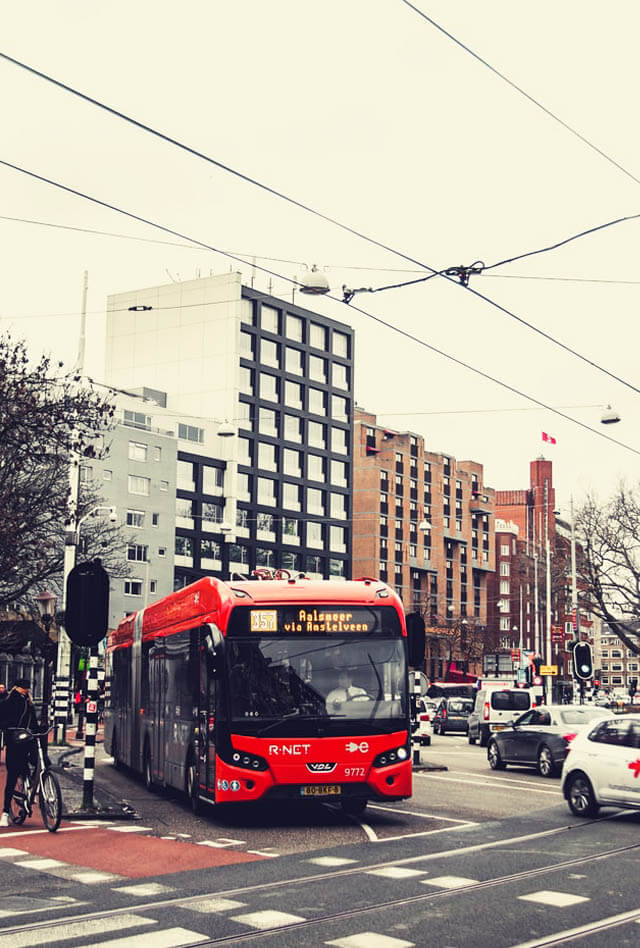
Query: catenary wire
363, 312
291, 200
213, 161
522, 92
327, 266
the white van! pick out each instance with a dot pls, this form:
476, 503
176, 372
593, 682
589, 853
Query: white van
494, 708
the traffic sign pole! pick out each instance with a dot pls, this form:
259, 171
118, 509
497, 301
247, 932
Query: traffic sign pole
90, 732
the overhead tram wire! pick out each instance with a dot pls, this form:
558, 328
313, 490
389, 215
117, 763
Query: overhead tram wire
212, 161
377, 319
522, 92
334, 266
293, 201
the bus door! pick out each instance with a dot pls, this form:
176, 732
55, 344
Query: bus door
158, 697
208, 694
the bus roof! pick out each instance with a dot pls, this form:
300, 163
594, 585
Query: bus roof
212, 595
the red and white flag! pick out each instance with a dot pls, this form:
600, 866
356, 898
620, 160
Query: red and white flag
547, 437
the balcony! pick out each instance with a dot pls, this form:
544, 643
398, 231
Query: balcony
480, 503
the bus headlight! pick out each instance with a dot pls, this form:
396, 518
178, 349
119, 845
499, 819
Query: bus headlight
394, 756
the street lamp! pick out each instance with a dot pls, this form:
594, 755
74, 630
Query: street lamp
46, 603
316, 284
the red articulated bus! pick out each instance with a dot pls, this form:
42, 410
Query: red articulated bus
280, 689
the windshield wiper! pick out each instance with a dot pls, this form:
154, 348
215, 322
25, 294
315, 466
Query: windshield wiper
285, 717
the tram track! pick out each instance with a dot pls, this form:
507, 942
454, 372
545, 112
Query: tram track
259, 888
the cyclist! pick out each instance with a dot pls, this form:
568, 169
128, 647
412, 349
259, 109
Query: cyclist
16, 711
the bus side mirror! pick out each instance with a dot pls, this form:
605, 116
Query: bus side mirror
416, 636
213, 641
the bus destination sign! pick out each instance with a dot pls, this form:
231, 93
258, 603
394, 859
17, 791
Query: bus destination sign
313, 620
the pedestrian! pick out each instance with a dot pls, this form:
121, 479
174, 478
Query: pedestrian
16, 711
3, 695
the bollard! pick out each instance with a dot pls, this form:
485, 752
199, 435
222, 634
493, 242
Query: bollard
416, 733
91, 728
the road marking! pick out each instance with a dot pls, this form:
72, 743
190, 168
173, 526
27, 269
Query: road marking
591, 928
269, 918
395, 872
491, 783
370, 940
330, 861
560, 899
222, 842
263, 852
168, 938
449, 882
515, 780
82, 929
205, 906
424, 816
131, 829
145, 888
40, 863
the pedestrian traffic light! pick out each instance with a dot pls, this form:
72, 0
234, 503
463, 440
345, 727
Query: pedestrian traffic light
582, 661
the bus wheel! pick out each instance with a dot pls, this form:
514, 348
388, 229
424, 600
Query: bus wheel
191, 781
146, 769
353, 806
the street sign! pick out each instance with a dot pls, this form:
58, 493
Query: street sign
515, 654
557, 633
548, 669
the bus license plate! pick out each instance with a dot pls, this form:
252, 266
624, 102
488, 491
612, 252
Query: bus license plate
320, 790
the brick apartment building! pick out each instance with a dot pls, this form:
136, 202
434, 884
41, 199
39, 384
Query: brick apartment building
423, 522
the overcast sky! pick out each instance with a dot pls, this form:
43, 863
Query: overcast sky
366, 112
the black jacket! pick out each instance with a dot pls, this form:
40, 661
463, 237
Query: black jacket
17, 711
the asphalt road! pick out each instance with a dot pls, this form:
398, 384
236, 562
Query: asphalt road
473, 859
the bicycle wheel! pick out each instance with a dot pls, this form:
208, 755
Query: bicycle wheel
50, 801
19, 800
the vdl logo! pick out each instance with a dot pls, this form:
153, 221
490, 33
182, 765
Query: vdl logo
352, 747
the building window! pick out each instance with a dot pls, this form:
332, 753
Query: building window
137, 552
504, 550
293, 395
315, 468
164, 485
133, 587
186, 476
136, 419
338, 506
210, 553
269, 388
317, 436
190, 433
292, 428
212, 479
504, 569
505, 587
318, 336
338, 474
211, 515
247, 344
315, 502
339, 443
339, 408
291, 496
340, 376
268, 422
153, 586
317, 402
270, 353
317, 369
315, 537
107, 475
337, 540
135, 518
267, 457
294, 328
184, 547
291, 463
340, 344
184, 513
269, 318
139, 485
293, 361
85, 473
162, 551
266, 492
137, 451
155, 519
290, 531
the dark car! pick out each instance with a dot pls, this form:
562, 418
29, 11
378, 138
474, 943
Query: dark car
541, 737
452, 715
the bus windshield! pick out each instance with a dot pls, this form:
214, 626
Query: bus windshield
332, 678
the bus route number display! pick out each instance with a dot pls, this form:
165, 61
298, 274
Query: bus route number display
264, 620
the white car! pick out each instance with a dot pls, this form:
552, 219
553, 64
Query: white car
602, 767
425, 729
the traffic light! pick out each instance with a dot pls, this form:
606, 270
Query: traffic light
582, 661
633, 686
87, 606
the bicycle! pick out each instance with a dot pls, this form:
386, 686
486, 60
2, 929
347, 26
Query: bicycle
40, 781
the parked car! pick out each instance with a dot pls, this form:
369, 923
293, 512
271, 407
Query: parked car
541, 737
603, 766
494, 708
452, 715
425, 729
